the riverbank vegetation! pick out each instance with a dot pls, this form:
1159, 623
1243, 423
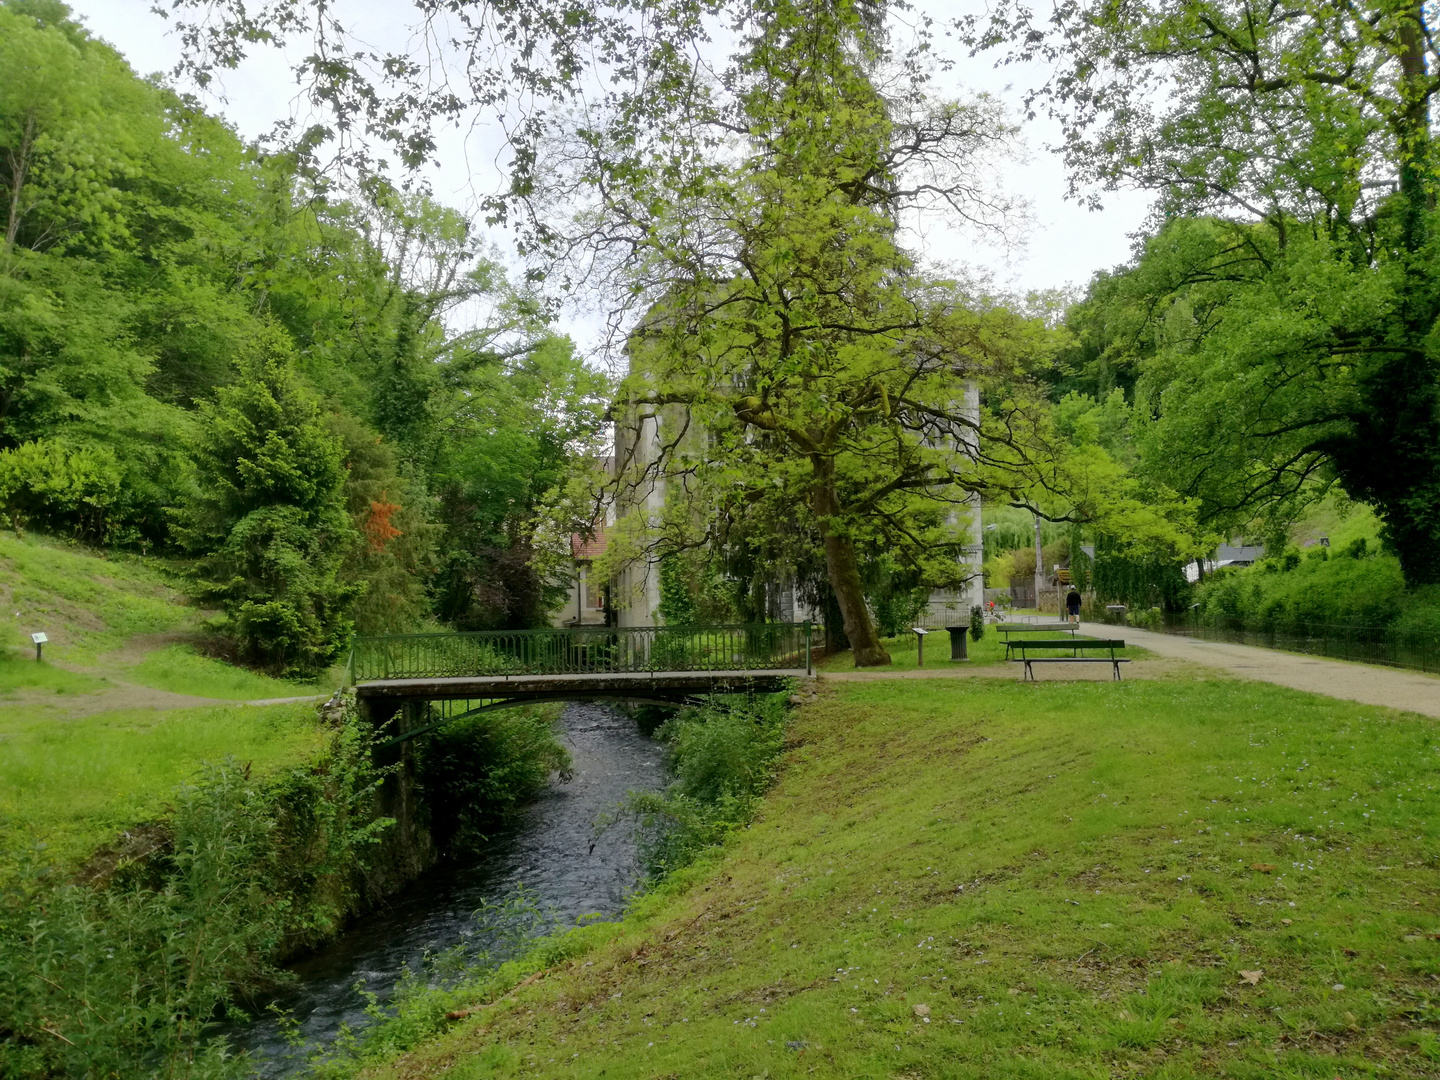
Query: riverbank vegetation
157, 867
119, 968
723, 758
985, 879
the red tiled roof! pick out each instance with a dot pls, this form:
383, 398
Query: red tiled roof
580, 548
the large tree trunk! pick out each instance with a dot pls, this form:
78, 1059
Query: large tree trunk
843, 568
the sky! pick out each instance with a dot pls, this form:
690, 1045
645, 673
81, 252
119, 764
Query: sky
1063, 242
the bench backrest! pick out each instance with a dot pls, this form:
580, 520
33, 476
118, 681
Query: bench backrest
1067, 643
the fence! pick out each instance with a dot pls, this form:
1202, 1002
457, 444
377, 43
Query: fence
1367, 644
582, 650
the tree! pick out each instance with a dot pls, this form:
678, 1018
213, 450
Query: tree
1303, 297
795, 357
268, 514
513, 428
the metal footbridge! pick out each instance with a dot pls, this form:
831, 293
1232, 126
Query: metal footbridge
461, 674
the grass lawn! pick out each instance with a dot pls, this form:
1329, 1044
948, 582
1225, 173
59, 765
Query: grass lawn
74, 784
990, 879
990, 649
182, 670
17, 673
85, 601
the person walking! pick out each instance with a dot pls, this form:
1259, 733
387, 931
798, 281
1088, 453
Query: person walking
1072, 605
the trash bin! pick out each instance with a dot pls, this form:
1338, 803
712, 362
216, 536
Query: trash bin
957, 642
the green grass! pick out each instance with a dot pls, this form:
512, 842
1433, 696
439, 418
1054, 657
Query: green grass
985, 879
181, 670
22, 674
990, 649
72, 785
86, 601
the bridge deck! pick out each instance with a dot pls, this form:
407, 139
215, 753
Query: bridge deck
644, 683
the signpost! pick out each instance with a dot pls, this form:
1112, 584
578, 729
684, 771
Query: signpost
39, 640
920, 633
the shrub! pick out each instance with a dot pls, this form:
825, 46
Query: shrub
61, 488
474, 772
1289, 595
722, 759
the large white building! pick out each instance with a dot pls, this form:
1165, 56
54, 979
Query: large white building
635, 593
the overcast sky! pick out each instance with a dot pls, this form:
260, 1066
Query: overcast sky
1065, 243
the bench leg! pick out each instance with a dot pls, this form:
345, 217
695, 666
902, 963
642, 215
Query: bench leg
1029, 672
1116, 665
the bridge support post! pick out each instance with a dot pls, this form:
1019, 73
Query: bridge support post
408, 849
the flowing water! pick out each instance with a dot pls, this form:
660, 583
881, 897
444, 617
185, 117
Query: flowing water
551, 854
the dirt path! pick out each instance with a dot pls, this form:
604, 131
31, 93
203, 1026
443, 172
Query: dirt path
1396, 688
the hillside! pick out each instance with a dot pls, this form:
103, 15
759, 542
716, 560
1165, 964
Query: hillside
1165, 878
96, 737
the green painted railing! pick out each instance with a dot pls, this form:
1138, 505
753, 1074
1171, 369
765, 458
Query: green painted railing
582, 650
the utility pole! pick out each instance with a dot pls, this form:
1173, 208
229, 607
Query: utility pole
1039, 560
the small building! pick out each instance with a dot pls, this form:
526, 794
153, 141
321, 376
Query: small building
586, 604
1225, 555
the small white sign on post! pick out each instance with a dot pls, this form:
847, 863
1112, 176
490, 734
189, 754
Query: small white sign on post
920, 633
39, 639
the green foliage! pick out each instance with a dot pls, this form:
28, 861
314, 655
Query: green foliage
268, 515
1142, 581
394, 546
60, 486
515, 428
895, 595
477, 771
977, 623
122, 977
1282, 321
723, 758
677, 603
1288, 595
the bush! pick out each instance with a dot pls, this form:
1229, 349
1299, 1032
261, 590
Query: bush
723, 755
1288, 595
474, 772
63, 489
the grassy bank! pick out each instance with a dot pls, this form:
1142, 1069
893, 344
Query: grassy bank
87, 602
74, 785
963, 879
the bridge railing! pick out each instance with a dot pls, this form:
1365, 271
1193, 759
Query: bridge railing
582, 650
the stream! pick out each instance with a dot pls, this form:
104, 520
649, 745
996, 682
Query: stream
550, 853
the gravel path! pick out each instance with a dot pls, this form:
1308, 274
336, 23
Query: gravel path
1395, 688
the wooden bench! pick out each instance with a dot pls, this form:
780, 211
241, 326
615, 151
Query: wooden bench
1007, 629
1017, 652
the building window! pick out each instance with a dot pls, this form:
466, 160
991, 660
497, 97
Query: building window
594, 592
